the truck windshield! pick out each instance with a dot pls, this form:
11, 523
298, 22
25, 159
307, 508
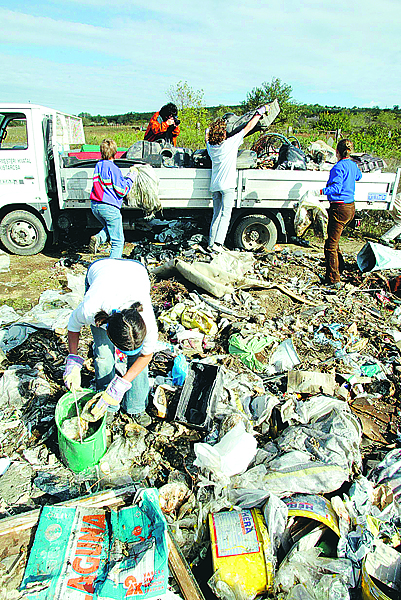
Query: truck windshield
13, 132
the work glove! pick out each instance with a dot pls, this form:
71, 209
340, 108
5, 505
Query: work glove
261, 110
132, 175
72, 372
110, 399
318, 193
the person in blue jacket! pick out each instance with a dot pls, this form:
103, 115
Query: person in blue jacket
108, 191
340, 192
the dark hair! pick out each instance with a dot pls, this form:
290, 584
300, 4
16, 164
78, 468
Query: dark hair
126, 328
217, 132
344, 148
168, 110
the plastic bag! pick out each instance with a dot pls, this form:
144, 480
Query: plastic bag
121, 457
230, 456
310, 211
222, 590
247, 348
179, 370
193, 318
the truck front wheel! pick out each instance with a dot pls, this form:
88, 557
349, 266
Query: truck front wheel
254, 232
22, 233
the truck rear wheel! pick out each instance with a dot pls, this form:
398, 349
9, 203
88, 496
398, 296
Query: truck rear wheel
22, 233
254, 232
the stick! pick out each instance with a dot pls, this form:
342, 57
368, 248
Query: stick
79, 418
221, 309
268, 286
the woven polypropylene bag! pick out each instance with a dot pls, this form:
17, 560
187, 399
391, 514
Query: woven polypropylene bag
144, 192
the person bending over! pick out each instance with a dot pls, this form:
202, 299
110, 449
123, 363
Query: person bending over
118, 308
164, 125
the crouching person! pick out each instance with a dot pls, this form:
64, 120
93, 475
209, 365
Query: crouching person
118, 308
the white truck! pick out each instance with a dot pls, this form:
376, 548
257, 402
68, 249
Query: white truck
44, 190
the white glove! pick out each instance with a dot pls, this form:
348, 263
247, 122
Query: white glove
72, 372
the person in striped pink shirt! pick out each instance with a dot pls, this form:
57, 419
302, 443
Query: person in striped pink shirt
108, 191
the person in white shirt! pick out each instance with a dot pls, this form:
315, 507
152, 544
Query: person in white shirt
118, 308
223, 153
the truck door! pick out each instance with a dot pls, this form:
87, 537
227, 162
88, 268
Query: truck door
22, 191
19, 181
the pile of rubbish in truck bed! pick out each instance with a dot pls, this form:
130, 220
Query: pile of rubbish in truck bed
274, 445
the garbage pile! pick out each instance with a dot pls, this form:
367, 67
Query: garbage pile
275, 435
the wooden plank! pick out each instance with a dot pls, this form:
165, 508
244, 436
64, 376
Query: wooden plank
181, 571
18, 531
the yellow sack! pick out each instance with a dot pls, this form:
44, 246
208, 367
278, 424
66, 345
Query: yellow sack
193, 318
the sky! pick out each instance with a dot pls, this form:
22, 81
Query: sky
116, 56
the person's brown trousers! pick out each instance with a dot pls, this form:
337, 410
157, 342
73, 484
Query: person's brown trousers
339, 216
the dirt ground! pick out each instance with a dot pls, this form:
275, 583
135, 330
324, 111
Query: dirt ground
29, 276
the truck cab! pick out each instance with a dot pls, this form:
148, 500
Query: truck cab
31, 140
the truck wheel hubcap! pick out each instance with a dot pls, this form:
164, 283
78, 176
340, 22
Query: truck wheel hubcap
256, 235
22, 233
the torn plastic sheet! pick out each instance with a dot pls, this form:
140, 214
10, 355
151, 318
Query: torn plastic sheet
284, 357
307, 411
230, 456
376, 257
389, 471
19, 380
310, 211
320, 336
8, 315
52, 312
14, 335
382, 566
309, 569
81, 552
311, 459
219, 277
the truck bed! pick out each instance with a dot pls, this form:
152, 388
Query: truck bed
259, 188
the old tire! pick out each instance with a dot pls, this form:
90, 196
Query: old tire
22, 233
254, 232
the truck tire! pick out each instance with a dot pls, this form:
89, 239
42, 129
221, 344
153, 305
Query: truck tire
22, 233
254, 232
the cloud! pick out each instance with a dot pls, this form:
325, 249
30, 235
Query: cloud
324, 51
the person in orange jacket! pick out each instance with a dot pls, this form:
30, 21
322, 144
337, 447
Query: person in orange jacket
164, 125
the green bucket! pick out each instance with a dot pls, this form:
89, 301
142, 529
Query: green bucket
77, 455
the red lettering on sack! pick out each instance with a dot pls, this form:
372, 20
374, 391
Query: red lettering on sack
96, 520
83, 584
88, 548
133, 587
76, 565
91, 535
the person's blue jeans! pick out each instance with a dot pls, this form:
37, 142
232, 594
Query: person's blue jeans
223, 203
111, 219
136, 399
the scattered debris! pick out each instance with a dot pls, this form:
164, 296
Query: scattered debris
271, 394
